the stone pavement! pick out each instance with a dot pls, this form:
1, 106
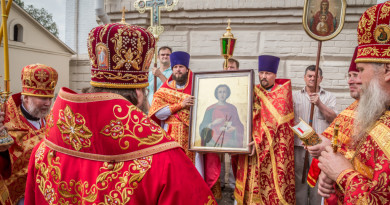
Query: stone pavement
226, 197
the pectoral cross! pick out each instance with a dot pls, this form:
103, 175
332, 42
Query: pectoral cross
155, 11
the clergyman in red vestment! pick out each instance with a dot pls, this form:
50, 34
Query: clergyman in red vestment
267, 177
25, 121
100, 147
346, 119
364, 178
172, 101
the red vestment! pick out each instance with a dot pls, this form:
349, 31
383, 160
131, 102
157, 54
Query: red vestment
179, 121
369, 180
25, 137
346, 120
99, 148
268, 177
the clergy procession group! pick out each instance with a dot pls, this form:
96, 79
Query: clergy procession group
119, 142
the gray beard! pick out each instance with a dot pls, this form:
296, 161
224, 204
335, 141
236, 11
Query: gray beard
36, 112
372, 104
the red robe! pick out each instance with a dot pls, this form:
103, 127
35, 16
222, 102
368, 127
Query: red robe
268, 177
179, 121
99, 148
346, 120
369, 180
25, 137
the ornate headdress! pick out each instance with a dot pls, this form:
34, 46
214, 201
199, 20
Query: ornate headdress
120, 55
39, 80
374, 35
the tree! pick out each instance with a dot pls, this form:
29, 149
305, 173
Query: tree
41, 15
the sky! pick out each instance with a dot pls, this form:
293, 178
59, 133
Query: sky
56, 8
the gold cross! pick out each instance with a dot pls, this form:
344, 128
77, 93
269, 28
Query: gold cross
41, 75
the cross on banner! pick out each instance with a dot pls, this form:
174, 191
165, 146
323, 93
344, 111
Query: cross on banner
155, 11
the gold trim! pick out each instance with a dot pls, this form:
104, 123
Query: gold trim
117, 158
323, 38
381, 135
273, 161
89, 97
37, 95
372, 60
280, 119
124, 86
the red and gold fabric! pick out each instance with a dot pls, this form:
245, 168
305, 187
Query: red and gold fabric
374, 35
346, 120
120, 55
25, 137
268, 177
179, 121
101, 149
39, 80
369, 180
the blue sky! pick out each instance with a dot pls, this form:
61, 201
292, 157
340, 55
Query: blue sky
56, 8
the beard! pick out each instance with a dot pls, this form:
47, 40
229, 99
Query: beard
264, 83
38, 112
182, 80
144, 106
372, 104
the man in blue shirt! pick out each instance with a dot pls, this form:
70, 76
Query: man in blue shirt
162, 73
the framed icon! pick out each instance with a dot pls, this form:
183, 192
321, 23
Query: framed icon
221, 118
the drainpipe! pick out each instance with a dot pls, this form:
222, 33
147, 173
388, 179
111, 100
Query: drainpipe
101, 13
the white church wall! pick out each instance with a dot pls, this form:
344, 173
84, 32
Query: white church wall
261, 27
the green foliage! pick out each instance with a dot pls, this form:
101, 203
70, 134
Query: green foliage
41, 15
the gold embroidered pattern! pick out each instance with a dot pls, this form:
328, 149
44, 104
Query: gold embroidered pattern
365, 26
362, 168
384, 11
132, 59
50, 181
92, 56
381, 134
118, 130
211, 201
119, 76
273, 162
372, 51
73, 129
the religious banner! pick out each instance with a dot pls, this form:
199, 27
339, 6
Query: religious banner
323, 19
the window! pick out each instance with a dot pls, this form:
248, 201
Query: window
18, 33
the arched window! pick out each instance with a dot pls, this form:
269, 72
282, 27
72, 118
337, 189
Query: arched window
18, 33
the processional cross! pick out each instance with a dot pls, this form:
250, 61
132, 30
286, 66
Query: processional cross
155, 27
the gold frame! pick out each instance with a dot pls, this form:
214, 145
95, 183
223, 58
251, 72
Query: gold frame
335, 33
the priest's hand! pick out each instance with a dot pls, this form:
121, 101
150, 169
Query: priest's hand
325, 186
315, 151
332, 164
188, 102
252, 147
